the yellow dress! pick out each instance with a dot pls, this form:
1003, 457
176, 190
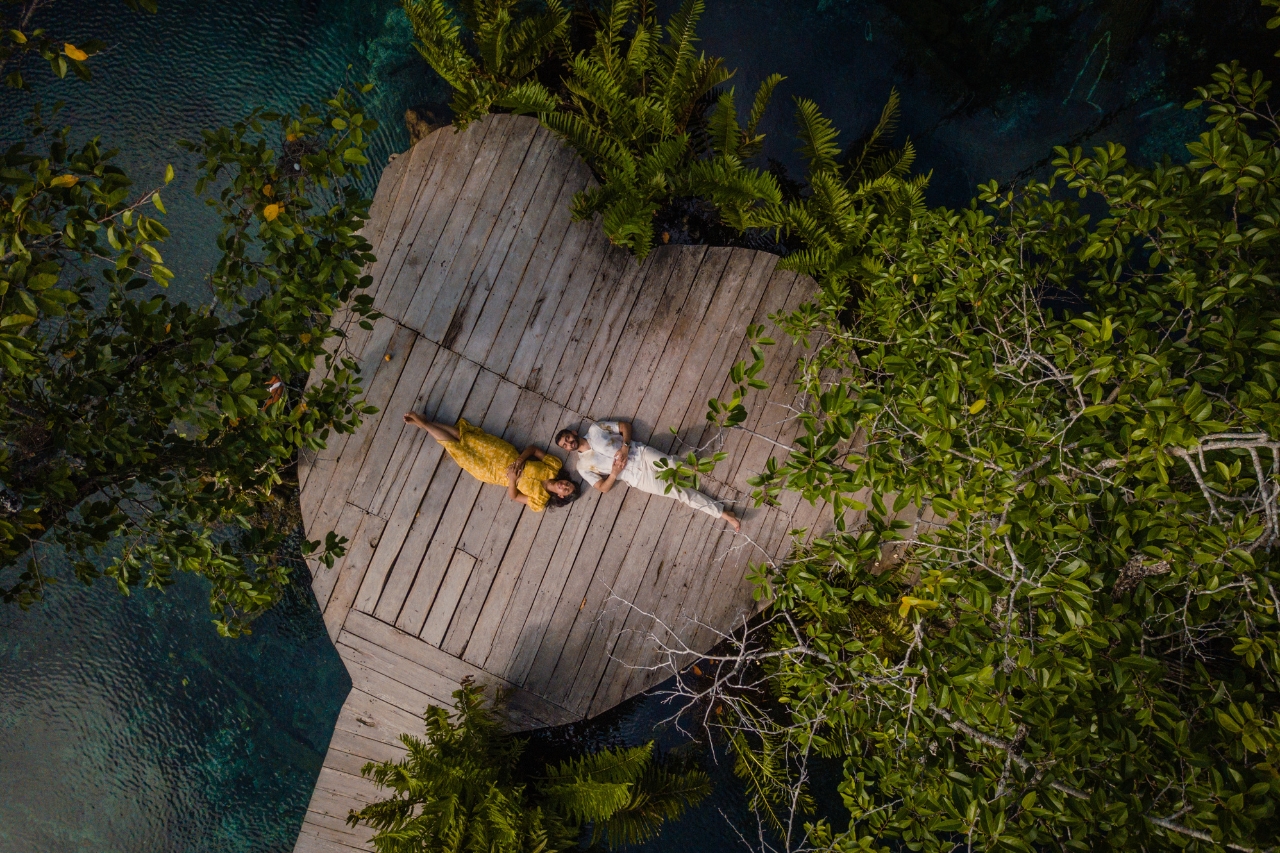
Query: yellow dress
487, 457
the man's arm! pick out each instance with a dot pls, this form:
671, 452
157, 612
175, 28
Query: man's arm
607, 483
624, 427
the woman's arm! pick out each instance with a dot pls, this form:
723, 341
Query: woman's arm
513, 477
530, 451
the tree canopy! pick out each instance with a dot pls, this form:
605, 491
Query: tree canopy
142, 435
1048, 615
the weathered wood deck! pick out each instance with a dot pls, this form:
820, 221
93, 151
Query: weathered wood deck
500, 309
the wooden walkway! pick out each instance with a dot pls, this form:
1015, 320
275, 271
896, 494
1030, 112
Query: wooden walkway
499, 309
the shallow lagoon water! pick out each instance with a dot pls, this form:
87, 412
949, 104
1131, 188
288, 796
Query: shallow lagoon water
127, 724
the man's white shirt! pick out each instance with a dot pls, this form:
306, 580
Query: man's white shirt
595, 461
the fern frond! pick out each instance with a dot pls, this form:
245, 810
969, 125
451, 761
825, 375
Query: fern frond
439, 40
528, 98
586, 800
621, 764
818, 136
533, 39
722, 126
603, 152
886, 126
751, 140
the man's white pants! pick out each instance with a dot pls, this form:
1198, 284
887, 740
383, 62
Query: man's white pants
642, 473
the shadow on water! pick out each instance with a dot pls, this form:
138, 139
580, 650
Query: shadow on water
127, 724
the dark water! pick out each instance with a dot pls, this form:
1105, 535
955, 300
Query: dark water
127, 724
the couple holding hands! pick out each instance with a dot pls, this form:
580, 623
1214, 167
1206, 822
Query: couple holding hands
605, 456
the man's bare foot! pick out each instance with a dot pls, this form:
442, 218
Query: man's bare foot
728, 516
415, 419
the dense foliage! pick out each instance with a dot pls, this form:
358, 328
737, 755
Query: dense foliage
464, 788
1062, 417
139, 433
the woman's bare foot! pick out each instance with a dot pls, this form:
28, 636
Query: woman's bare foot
728, 516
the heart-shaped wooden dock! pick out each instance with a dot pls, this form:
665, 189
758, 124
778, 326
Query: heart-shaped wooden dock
500, 309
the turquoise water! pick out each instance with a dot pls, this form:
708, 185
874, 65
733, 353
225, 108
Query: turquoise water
127, 724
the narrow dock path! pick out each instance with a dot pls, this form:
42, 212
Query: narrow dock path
499, 309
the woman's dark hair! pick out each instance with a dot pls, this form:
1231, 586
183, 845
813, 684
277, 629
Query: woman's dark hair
555, 500
562, 433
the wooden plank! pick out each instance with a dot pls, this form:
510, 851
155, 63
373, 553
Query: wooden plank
479, 641
318, 496
425, 470
471, 222
607, 372
729, 315
490, 545
504, 197
573, 322
679, 611
347, 784
538, 600
384, 197
510, 224
367, 675
613, 580
542, 276
369, 717
525, 705
309, 843
430, 544
326, 818
670, 567
447, 596
396, 477
507, 271
437, 687
593, 340
417, 162
580, 250
391, 426
325, 577
382, 384
366, 748
435, 208
559, 655
359, 552
688, 342
535, 661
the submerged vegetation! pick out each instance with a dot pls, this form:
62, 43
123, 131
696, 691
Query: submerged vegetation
466, 787
144, 436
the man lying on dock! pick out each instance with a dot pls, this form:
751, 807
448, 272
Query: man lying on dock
608, 455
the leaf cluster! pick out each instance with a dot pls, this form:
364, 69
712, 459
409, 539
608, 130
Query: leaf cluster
1066, 424
136, 427
464, 788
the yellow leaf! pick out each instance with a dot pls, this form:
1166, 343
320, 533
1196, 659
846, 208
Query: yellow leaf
305, 337
289, 137
267, 190
270, 212
910, 601
64, 181
18, 37
977, 406
74, 52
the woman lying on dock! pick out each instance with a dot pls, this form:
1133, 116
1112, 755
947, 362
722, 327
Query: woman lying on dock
532, 478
